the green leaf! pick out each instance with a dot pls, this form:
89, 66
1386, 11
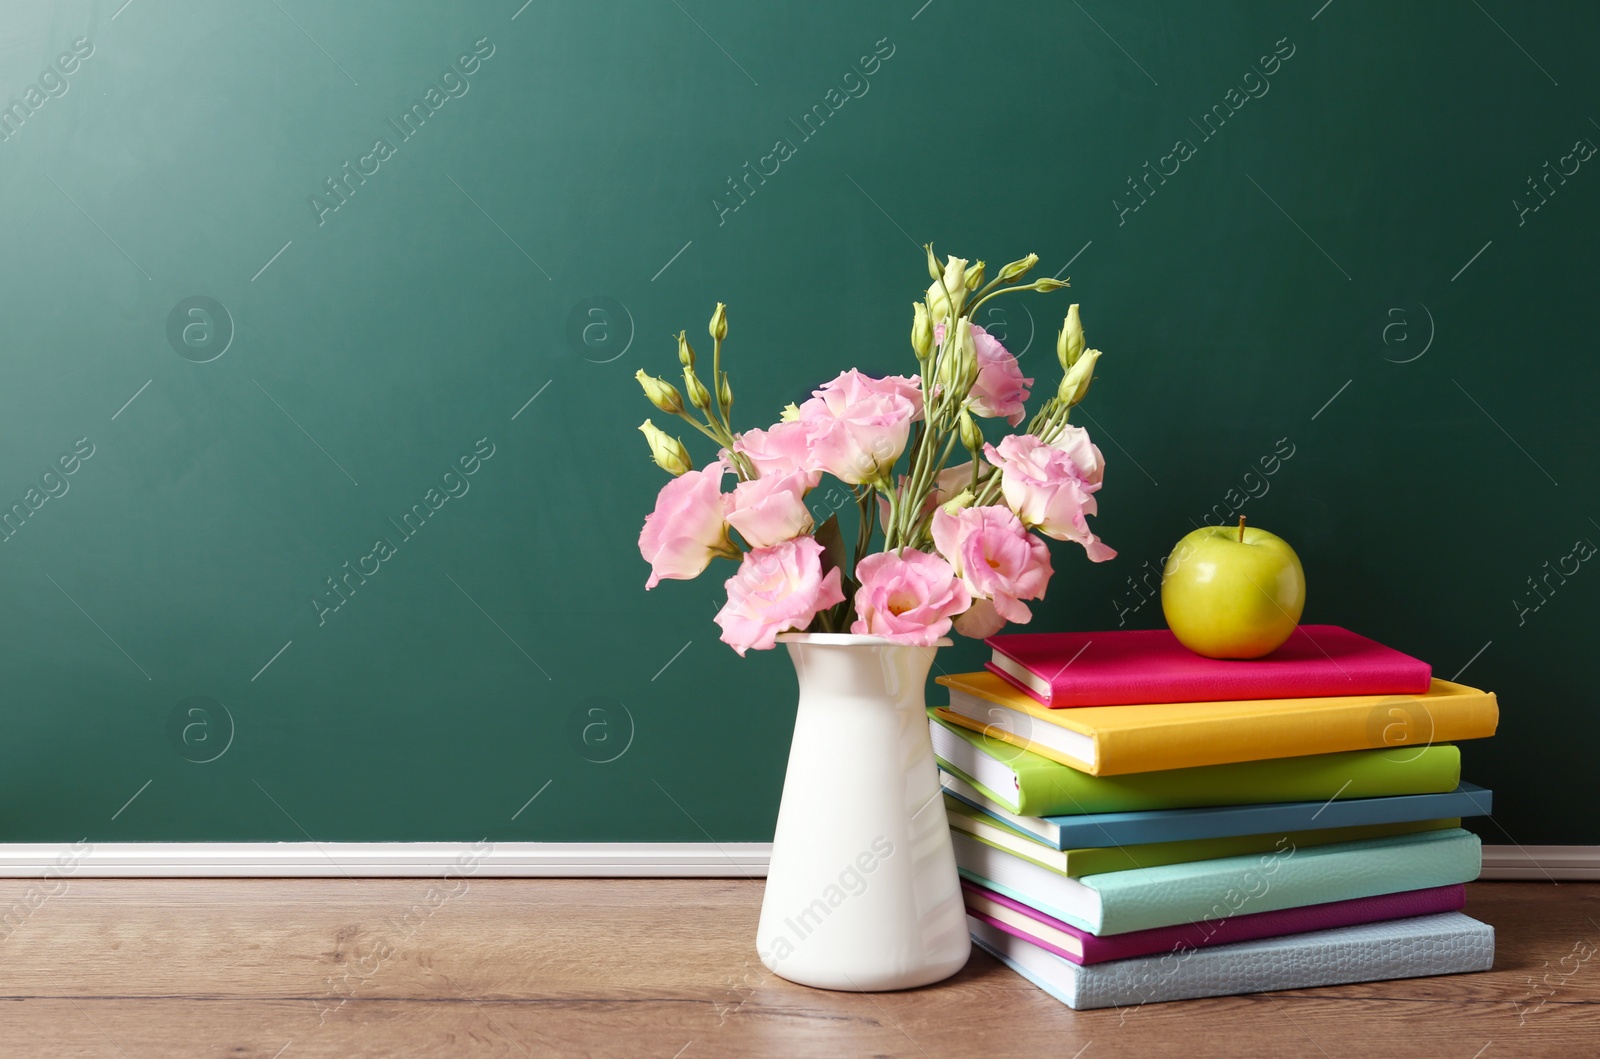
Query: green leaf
833, 552
834, 557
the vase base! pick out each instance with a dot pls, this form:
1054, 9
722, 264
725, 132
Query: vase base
876, 981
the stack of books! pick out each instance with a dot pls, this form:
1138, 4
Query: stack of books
1136, 823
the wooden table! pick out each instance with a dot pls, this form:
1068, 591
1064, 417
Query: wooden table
276, 969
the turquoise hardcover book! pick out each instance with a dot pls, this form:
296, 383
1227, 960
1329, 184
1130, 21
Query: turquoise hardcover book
1215, 890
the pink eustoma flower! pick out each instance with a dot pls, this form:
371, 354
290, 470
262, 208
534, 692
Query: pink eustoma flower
910, 597
782, 448
687, 527
857, 426
770, 509
776, 589
1049, 490
980, 621
1084, 454
999, 561
1001, 391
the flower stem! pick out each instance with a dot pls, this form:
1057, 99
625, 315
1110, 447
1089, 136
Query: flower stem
891, 530
692, 421
973, 308
869, 516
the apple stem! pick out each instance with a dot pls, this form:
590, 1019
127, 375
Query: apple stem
1241, 529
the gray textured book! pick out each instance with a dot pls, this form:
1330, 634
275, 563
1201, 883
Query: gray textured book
1450, 943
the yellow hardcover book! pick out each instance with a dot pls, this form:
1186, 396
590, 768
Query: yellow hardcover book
1117, 740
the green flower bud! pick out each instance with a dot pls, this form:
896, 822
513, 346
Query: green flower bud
1047, 284
790, 414
660, 392
971, 435
719, 322
1018, 268
974, 276
699, 396
724, 395
1069, 343
1076, 383
934, 271
667, 451
958, 503
921, 331
969, 357
958, 367
948, 290
685, 351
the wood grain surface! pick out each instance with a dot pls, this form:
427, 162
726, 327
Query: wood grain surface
276, 969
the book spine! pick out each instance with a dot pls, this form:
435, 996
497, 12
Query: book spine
1414, 678
1190, 743
1128, 829
1219, 890
1186, 936
1063, 791
1431, 945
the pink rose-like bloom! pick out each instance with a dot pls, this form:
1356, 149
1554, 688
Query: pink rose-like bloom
782, 448
687, 527
1000, 391
770, 509
980, 621
1049, 491
909, 598
907, 386
776, 589
997, 558
857, 426
1084, 454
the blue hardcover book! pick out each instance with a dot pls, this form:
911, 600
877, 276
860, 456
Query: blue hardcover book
1450, 943
1090, 830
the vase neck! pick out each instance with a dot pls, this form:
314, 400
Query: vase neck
891, 674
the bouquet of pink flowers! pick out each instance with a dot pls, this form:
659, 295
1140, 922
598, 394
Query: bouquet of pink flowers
958, 542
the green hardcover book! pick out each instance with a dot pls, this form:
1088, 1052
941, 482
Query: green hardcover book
1101, 859
1031, 785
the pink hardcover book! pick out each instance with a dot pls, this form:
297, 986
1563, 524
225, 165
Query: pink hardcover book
1131, 666
1081, 947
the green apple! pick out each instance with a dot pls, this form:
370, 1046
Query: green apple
1232, 592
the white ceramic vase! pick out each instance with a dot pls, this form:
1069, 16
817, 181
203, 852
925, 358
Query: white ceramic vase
862, 892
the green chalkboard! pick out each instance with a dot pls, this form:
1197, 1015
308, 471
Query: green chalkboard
295, 289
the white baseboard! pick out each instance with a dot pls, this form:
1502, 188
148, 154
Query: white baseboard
534, 860
122, 860
1542, 863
